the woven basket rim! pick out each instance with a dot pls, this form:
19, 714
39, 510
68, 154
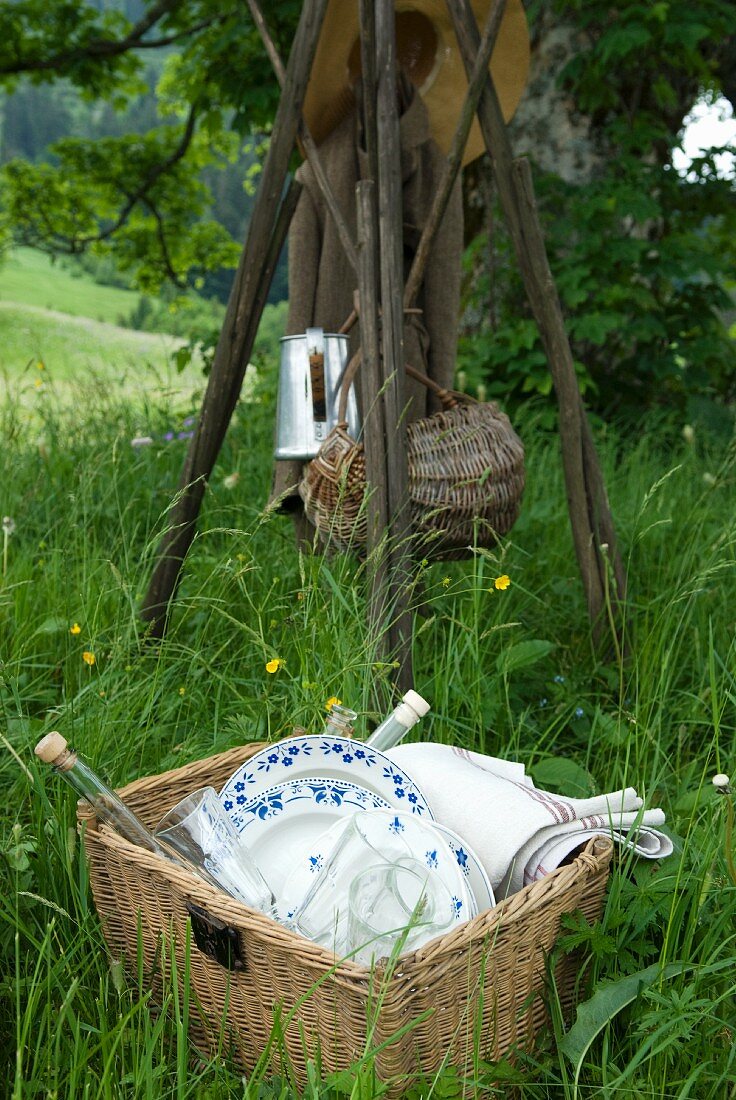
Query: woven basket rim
594, 858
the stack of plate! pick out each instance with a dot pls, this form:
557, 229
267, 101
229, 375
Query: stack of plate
292, 800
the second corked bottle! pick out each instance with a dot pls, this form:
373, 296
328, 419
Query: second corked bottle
395, 727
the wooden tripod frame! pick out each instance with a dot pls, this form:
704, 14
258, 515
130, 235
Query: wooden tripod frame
377, 260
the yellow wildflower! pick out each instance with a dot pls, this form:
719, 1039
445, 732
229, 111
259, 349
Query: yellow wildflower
333, 701
75, 629
38, 384
502, 582
41, 366
88, 658
445, 582
182, 690
274, 665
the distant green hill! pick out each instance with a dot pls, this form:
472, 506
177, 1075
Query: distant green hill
30, 278
58, 327
46, 347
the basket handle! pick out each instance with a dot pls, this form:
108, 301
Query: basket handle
450, 399
347, 380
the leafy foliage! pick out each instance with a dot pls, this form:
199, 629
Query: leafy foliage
141, 196
640, 255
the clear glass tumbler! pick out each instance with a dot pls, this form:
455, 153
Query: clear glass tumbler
368, 839
199, 830
395, 905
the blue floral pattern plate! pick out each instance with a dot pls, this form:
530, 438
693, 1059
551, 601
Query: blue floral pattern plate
396, 835
284, 820
471, 867
337, 758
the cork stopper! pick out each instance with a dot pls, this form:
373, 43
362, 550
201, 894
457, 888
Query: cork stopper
52, 749
416, 702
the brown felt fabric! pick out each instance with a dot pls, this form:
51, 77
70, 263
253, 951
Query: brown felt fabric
322, 282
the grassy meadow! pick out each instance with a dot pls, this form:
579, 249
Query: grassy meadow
33, 279
89, 509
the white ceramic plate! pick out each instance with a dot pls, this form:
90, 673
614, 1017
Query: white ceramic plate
335, 758
284, 820
471, 867
397, 835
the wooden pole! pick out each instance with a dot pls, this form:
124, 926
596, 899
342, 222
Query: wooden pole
306, 142
588, 508
371, 381
455, 156
391, 253
266, 231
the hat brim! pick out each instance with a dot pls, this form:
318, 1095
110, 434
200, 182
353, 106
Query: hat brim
329, 97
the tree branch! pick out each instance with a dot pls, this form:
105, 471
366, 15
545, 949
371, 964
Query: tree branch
104, 48
140, 195
168, 266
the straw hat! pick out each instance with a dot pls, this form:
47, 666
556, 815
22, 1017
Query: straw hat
427, 48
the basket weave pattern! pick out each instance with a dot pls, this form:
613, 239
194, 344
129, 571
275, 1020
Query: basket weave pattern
466, 479
478, 985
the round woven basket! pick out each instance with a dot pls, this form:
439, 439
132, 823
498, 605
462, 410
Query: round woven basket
466, 477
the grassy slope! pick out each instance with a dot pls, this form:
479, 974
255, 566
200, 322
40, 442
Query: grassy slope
57, 335
30, 278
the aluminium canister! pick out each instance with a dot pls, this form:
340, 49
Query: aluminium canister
310, 375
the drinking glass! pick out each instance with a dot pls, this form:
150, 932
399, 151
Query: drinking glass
199, 831
375, 838
395, 903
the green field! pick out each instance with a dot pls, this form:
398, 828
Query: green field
30, 278
513, 673
58, 336
58, 331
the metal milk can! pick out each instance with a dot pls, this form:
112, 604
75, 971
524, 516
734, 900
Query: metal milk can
310, 376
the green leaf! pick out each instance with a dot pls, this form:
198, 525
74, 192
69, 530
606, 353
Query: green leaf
563, 776
52, 625
607, 1002
614, 731
183, 357
523, 654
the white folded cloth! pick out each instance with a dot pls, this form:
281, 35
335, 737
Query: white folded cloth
518, 832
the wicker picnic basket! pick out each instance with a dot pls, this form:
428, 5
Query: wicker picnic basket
474, 993
466, 476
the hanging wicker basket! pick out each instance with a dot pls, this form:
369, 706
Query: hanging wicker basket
466, 477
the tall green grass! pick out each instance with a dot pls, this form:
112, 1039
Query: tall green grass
89, 510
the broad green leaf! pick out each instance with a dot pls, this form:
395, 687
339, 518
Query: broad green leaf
563, 777
614, 731
523, 654
52, 625
607, 1002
